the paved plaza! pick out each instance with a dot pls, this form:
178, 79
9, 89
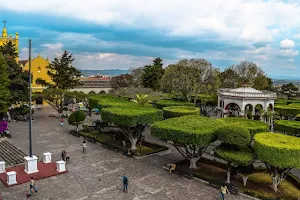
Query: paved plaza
97, 174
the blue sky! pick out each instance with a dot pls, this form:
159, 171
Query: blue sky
121, 34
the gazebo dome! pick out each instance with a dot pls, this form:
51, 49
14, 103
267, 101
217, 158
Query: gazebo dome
246, 90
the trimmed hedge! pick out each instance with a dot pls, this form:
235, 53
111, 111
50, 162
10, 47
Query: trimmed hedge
167, 103
178, 111
253, 126
243, 156
131, 116
288, 127
190, 130
278, 149
76, 117
286, 102
287, 110
234, 135
106, 101
297, 117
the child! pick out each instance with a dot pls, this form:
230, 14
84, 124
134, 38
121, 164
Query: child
224, 190
83, 145
62, 122
32, 186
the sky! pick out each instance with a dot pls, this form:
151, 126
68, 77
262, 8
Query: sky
120, 34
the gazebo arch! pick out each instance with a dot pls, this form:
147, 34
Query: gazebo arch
233, 107
270, 107
258, 108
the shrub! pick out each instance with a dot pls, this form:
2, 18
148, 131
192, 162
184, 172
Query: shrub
235, 135
287, 110
252, 125
131, 116
177, 111
76, 118
105, 101
288, 127
166, 103
242, 156
297, 117
278, 149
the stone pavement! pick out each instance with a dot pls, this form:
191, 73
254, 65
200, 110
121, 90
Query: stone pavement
97, 174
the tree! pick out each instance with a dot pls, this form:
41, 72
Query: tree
4, 84
131, 120
141, 99
121, 81
279, 152
89, 103
152, 74
245, 73
19, 90
55, 98
137, 74
190, 77
76, 118
190, 135
63, 75
178, 111
234, 148
290, 87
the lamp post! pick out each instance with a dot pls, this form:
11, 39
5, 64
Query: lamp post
30, 99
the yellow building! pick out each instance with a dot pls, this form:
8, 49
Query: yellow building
5, 38
38, 70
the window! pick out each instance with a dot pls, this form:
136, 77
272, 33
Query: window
39, 69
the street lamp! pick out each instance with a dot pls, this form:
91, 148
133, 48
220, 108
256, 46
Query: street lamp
30, 100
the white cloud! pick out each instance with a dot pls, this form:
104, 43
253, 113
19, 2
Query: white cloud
291, 60
297, 36
247, 20
289, 53
287, 44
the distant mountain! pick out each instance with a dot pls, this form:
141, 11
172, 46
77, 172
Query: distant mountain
285, 77
106, 72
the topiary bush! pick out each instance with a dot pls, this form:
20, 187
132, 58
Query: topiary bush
297, 117
178, 111
189, 134
288, 127
235, 135
167, 103
252, 125
287, 110
241, 156
131, 120
106, 101
76, 118
280, 153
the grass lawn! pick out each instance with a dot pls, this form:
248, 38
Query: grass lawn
114, 140
258, 184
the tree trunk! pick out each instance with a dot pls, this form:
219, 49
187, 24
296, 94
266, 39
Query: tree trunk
228, 174
276, 181
133, 143
245, 179
193, 163
77, 128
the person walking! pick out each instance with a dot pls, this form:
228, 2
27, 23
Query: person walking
67, 157
224, 190
32, 187
83, 145
63, 155
125, 183
62, 122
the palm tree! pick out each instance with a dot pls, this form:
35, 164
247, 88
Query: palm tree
141, 99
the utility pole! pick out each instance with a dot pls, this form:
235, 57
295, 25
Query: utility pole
30, 99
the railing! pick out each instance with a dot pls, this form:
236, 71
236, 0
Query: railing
253, 95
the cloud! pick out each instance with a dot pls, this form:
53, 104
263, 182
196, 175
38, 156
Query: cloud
291, 60
287, 44
289, 53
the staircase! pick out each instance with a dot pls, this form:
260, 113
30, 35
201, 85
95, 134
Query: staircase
11, 154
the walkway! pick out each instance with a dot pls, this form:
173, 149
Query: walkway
97, 174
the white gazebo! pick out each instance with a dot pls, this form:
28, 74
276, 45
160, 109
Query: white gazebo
237, 101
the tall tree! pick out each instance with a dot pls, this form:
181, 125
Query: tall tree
18, 78
190, 77
121, 81
63, 75
152, 74
4, 84
137, 74
245, 73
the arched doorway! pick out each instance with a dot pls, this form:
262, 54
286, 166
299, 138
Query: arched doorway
102, 92
233, 109
249, 111
92, 92
270, 107
259, 109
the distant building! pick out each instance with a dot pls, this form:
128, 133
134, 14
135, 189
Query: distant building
96, 84
5, 38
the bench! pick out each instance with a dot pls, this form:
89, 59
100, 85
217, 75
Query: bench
231, 188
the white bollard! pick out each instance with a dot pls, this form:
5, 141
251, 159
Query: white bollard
11, 178
47, 157
60, 166
31, 164
2, 167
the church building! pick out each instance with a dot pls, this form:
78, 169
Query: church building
5, 38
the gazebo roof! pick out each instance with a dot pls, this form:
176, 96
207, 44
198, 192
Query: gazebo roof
246, 90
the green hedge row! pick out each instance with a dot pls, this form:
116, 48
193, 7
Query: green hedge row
278, 149
286, 102
287, 110
178, 111
131, 116
288, 127
254, 126
191, 130
167, 103
105, 101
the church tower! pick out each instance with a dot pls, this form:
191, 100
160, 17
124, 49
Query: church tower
5, 38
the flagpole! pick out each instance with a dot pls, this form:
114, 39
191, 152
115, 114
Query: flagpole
30, 100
